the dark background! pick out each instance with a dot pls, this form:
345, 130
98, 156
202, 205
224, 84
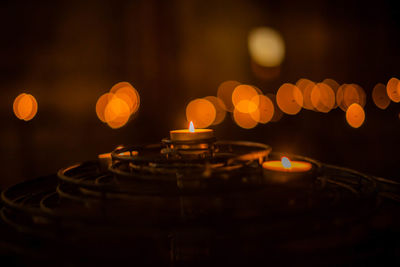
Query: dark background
68, 53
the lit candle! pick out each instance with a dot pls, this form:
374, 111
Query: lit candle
294, 173
285, 165
191, 134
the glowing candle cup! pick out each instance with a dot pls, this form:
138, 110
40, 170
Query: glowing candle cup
287, 171
191, 134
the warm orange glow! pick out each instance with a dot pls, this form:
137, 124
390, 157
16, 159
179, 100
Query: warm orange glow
265, 111
295, 166
393, 89
306, 86
224, 93
380, 97
191, 127
362, 96
128, 93
322, 97
334, 86
246, 106
244, 120
101, 105
219, 108
33, 110
25, 107
348, 94
289, 99
201, 111
245, 93
355, 115
286, 163
191, 134
116, 107
116, 113
266, 47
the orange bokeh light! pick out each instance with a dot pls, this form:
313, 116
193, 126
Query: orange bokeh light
224, 93
380, 97
334, 86
393, 89
265, 111
201, 111
306, 86
25, 107
116, 107
102, 104
289, 99
220, 109
245, 94
116, 113
128, 93
348, 94
322, 97
244, 120
355, 115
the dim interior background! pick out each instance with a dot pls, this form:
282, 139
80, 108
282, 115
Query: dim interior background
68, 53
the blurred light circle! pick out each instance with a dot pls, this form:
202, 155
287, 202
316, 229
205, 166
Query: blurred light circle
116, 113
34, 108
201, 112
244, 120
224, 93
362, 96
393, 90
355, 115
101, 105
266, 46
127, 92
265, 110
220, 109
306, 86
348, 94
247, 106
25, 107
380, 97
322, 97
16, 105
289, 99
333, 85
245, 92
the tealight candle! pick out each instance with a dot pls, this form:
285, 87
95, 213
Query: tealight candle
285, 171
191, 134
285, 165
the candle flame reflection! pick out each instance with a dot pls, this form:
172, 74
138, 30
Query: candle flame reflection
191, 127
286, 163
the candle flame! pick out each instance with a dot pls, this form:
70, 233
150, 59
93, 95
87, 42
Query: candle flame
286, 163
191, 127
